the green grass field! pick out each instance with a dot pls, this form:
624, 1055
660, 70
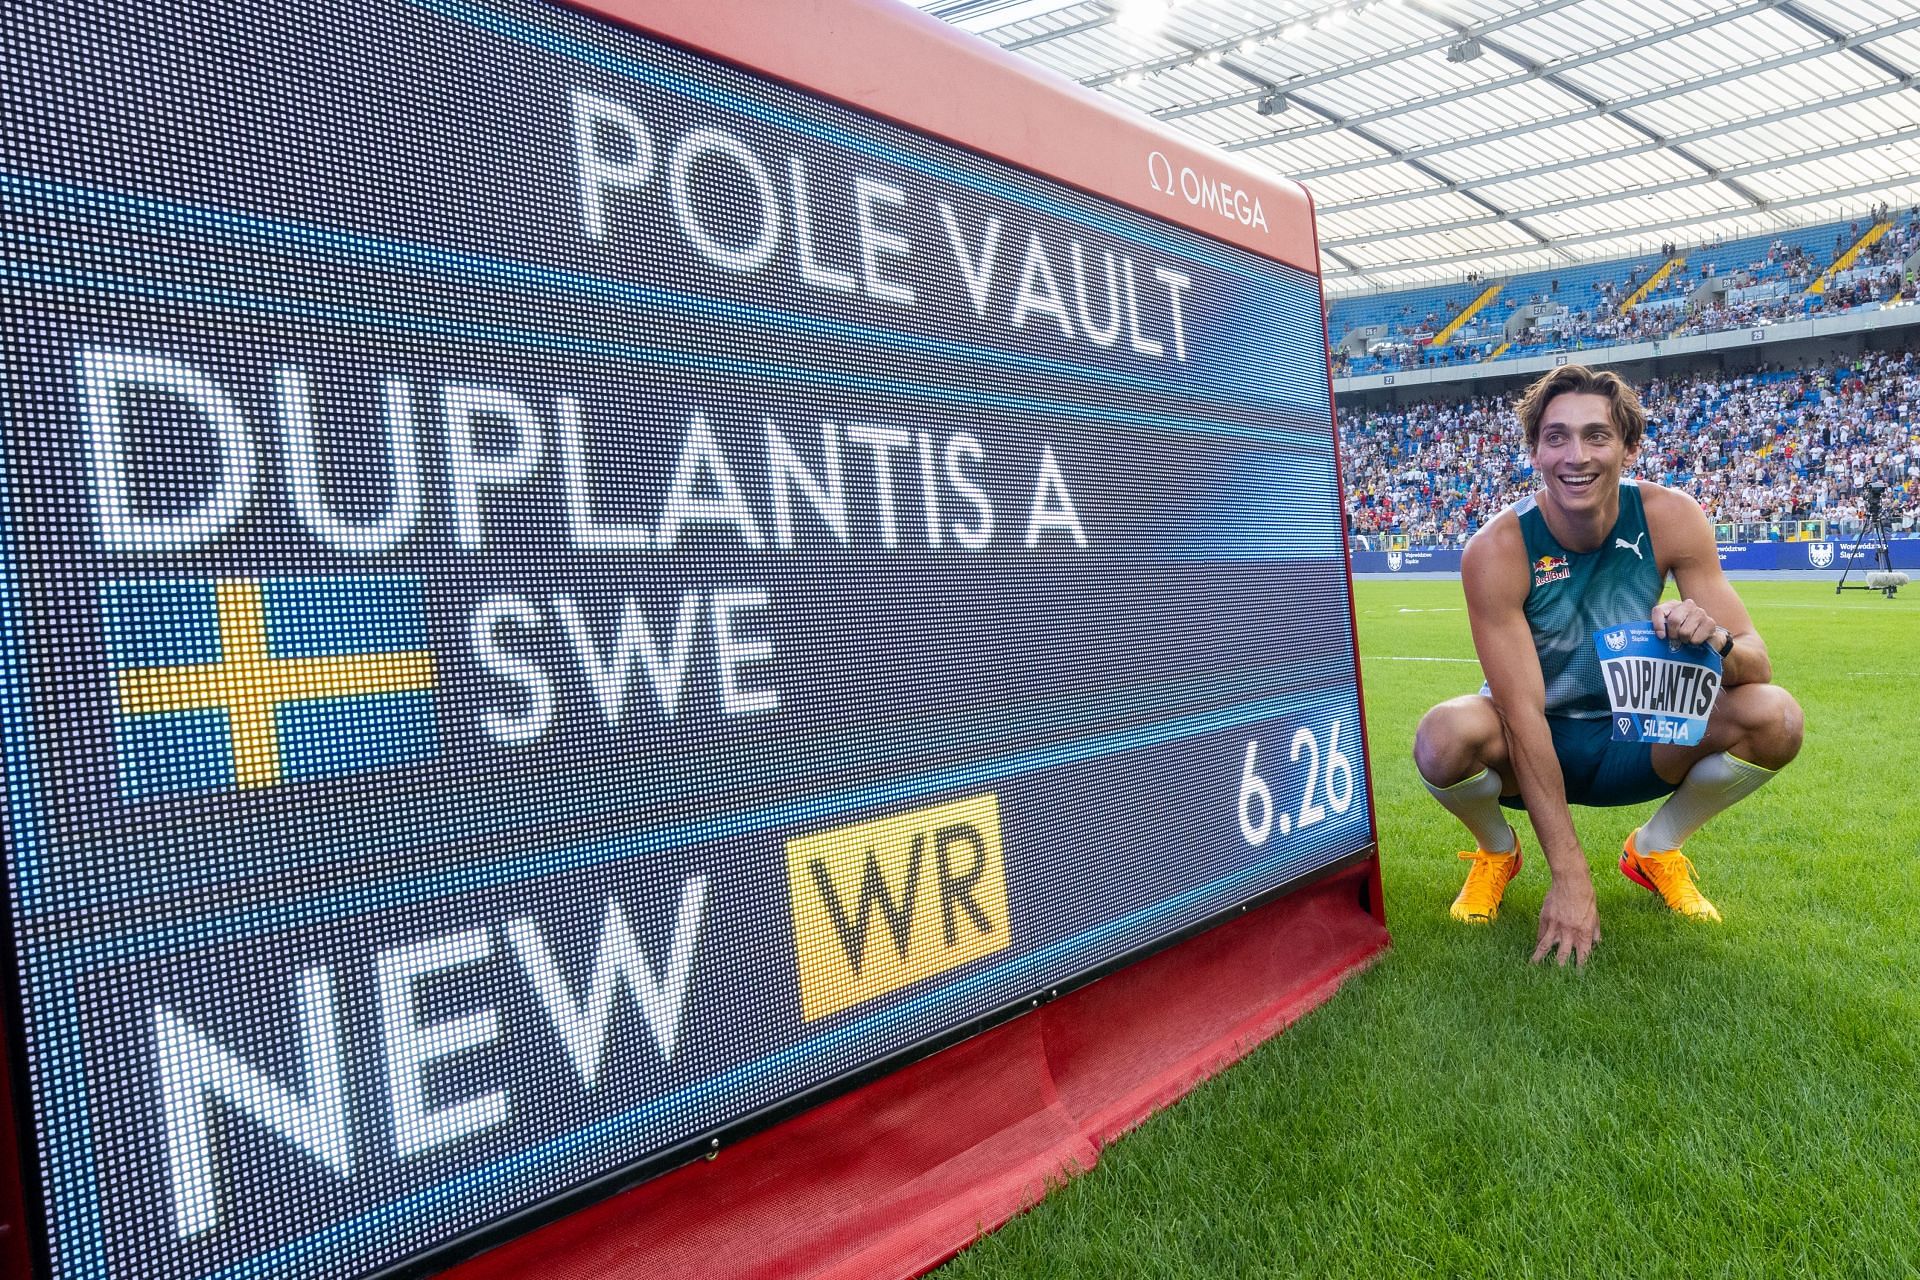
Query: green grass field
1733, 1101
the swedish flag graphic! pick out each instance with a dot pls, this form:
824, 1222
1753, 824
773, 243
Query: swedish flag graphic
248, 682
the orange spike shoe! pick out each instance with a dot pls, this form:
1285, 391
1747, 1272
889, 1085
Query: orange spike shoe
1479, 898
1670, 875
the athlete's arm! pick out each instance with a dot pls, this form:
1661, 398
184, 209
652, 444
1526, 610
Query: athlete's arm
1707, 600
1495, 574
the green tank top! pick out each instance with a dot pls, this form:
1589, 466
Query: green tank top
1574, 594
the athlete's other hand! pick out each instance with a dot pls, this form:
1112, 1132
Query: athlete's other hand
1683, 620
1569, 922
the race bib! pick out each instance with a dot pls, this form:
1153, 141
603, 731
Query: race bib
1660, 690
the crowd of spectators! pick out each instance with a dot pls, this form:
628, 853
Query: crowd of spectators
1774, 287
1876, 275
1771, 446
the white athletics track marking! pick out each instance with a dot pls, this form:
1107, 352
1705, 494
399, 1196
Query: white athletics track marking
1766, 605
1394, 657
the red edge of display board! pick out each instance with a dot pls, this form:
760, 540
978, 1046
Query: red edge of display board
1375, 900
898, 1176
16, 1258
887, 59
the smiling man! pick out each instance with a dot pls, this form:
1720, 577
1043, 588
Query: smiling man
1589, 552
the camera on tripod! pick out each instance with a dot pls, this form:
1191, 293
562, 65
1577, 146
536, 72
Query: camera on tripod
1883, 577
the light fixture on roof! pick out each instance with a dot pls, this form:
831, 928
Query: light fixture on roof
1272, 103
1465, 51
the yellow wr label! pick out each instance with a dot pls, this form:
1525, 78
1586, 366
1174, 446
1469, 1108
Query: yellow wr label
886, 903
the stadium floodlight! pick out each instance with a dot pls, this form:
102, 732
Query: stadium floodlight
1273, 103
1465, 51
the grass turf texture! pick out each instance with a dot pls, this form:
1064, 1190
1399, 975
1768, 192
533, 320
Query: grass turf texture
1740, 1100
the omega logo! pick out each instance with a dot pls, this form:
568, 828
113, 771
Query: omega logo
1203, 192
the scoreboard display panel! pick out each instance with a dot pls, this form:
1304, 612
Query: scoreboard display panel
563, 596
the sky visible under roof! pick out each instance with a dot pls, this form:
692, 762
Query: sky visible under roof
1505, 136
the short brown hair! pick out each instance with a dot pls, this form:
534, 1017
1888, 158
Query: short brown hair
1623, 406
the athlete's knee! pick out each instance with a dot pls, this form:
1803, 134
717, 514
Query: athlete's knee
1787, 723
1451, 742
1772, 725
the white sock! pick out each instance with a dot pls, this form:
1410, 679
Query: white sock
1476, 802
1713, 784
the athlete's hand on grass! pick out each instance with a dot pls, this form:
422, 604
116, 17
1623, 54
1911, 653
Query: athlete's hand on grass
1683, 620
1569, 922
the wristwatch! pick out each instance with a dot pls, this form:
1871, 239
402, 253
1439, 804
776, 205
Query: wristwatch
1724, 647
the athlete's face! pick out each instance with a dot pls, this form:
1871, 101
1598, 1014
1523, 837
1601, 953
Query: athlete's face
1580, 456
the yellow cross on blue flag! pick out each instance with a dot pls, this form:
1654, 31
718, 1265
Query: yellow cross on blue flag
251, 682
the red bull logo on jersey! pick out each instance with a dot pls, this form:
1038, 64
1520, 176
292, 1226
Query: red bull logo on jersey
1550, 569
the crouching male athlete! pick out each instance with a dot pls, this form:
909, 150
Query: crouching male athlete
1591, 550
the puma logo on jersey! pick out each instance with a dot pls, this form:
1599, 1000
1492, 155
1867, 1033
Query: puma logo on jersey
1633, 546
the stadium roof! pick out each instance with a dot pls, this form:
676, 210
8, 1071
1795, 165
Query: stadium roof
1506, 136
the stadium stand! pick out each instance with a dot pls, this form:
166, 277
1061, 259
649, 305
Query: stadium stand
1863, 263
1764, 452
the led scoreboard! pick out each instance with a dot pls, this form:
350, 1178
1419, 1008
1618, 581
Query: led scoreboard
564, 596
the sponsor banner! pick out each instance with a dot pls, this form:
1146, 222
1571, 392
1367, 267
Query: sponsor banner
1816, 556
1659, 690
561, 596
1431, 560
1831, 556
